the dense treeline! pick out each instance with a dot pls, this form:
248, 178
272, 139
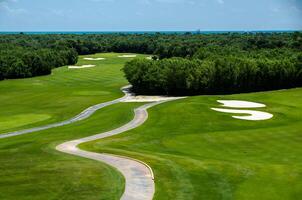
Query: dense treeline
23, 55
179, 76
164, 45
22, 62
237, 67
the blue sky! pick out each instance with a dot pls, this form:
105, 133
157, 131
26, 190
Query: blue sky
144, 15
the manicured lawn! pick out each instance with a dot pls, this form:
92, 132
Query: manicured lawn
31, 168
37, 101
195, 152
198, 153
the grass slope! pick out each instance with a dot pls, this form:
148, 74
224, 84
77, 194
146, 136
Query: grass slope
31, 168
198, 153
26, 103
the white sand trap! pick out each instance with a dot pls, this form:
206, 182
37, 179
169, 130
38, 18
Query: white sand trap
149, 98
149, 58
94, 59
132, 98
240, 104
253, 115
80, 67
127, 56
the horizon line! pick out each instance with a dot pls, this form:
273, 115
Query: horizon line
197, 30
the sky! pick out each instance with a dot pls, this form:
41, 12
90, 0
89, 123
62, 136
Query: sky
150, 15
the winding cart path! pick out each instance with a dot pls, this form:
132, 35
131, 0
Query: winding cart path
83, 115
138, 175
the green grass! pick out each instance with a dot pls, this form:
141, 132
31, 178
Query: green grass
60, 96
197, 153
31, 168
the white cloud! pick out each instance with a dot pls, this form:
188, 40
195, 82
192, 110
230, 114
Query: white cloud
14, 11
8, 1
4, 6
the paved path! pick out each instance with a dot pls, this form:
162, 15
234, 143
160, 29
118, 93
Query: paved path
83, 115
138, 175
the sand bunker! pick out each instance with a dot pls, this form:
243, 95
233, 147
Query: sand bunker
127, 56
131, 97
80, 67
94, 59
149, 98
240, 104
253, 115
149, 58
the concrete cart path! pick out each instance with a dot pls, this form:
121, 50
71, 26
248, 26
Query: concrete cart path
138, 175
83, 115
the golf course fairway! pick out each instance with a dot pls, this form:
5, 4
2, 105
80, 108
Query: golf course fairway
198, 153
194, 151
32, 102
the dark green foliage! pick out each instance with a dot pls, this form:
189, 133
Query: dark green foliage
179, 76
1, 74
230, 63
22, 62
49, 51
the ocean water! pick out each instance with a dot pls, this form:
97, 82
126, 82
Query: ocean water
144, 32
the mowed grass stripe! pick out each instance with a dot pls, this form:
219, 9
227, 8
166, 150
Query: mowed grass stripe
196, 153
31, 168
59, 94
220, 157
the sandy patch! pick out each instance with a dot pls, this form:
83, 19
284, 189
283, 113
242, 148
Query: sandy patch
253, 115
94, 59
131, 97
80, 67
127, 56
240, 104
149, 98
149, 58
141, 98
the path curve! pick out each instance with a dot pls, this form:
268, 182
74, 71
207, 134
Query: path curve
138, 175
83, 115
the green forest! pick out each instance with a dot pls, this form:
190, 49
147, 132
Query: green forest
217, 71
22, 62
183, 63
